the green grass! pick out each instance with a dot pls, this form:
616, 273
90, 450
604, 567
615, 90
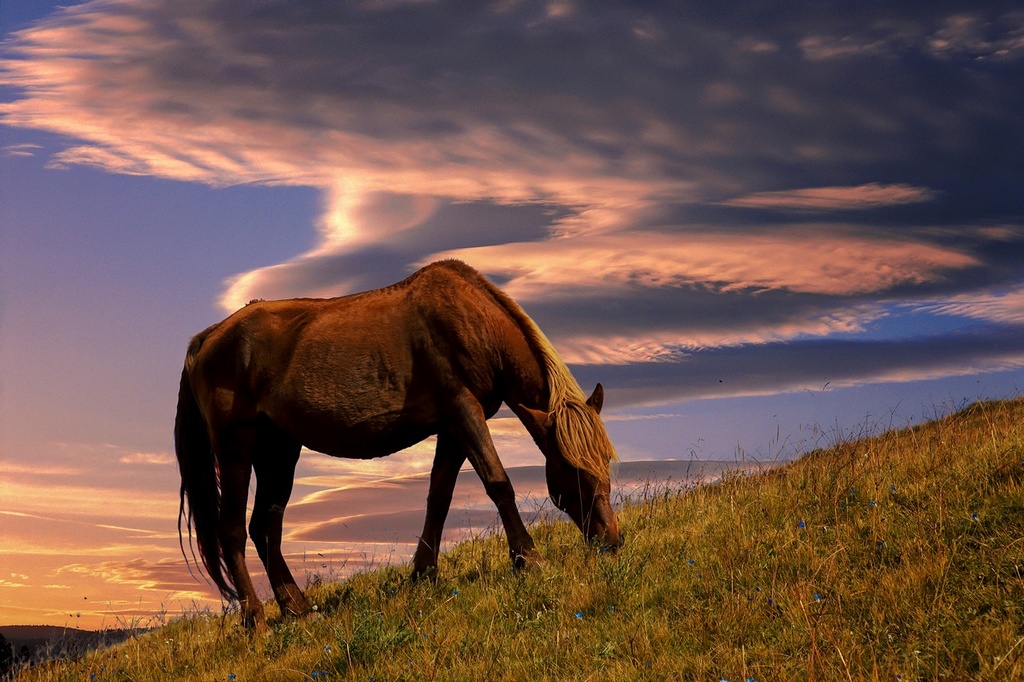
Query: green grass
893, 557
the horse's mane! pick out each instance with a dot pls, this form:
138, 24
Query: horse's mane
580, 433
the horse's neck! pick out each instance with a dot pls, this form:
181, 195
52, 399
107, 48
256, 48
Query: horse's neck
526, 381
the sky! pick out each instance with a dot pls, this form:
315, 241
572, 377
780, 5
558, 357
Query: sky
763, 227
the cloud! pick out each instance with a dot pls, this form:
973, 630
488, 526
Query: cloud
1006, 306
148, 458
502, 103
798, 365
872, 195
420, 227
601, 162
162, 575
204, 92
81, 501
962, 34
10, 467
824, 260
24, 150
647, 295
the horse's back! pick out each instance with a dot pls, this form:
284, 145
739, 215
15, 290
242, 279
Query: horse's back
360, 375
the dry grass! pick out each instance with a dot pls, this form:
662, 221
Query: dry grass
893, 557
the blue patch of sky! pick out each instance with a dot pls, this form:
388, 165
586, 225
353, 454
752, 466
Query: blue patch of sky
104, 278
18, 14
783, 426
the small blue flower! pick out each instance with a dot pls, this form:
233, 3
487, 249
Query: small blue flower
974, 516
455, 593
817, 596
327, 648
892, 488
771, 602
801, 525
872, 503
579, 614
690, 562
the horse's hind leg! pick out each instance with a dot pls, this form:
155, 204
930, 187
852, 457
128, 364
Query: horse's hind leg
448, 460
274, 460
234, 458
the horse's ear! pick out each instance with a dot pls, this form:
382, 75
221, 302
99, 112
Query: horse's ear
596, 399
543, 420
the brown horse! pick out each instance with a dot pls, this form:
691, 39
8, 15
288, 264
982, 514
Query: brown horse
364, 376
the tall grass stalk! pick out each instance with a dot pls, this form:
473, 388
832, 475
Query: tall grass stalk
898, 556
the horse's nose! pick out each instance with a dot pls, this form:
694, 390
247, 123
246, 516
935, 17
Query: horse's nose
614, 545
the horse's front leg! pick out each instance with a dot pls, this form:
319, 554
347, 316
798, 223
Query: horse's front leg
473, 435
448, 459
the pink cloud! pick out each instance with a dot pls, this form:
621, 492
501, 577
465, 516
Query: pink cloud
805, 260
871, 195
823, 261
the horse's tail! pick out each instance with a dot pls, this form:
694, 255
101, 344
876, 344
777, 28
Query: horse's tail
199, 480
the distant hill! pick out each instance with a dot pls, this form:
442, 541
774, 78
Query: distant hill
45, 642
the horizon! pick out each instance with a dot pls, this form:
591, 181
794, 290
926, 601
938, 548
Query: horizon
760, 228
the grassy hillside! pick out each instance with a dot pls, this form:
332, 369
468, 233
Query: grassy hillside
895, 557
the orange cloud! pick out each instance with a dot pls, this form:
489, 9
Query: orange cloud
149, 458
83, 502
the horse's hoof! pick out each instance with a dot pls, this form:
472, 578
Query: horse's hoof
527, 561
294, 604
257, 626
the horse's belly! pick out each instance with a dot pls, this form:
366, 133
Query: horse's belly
355, 435
357, 443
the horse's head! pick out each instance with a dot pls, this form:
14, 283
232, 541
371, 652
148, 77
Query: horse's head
578, 468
